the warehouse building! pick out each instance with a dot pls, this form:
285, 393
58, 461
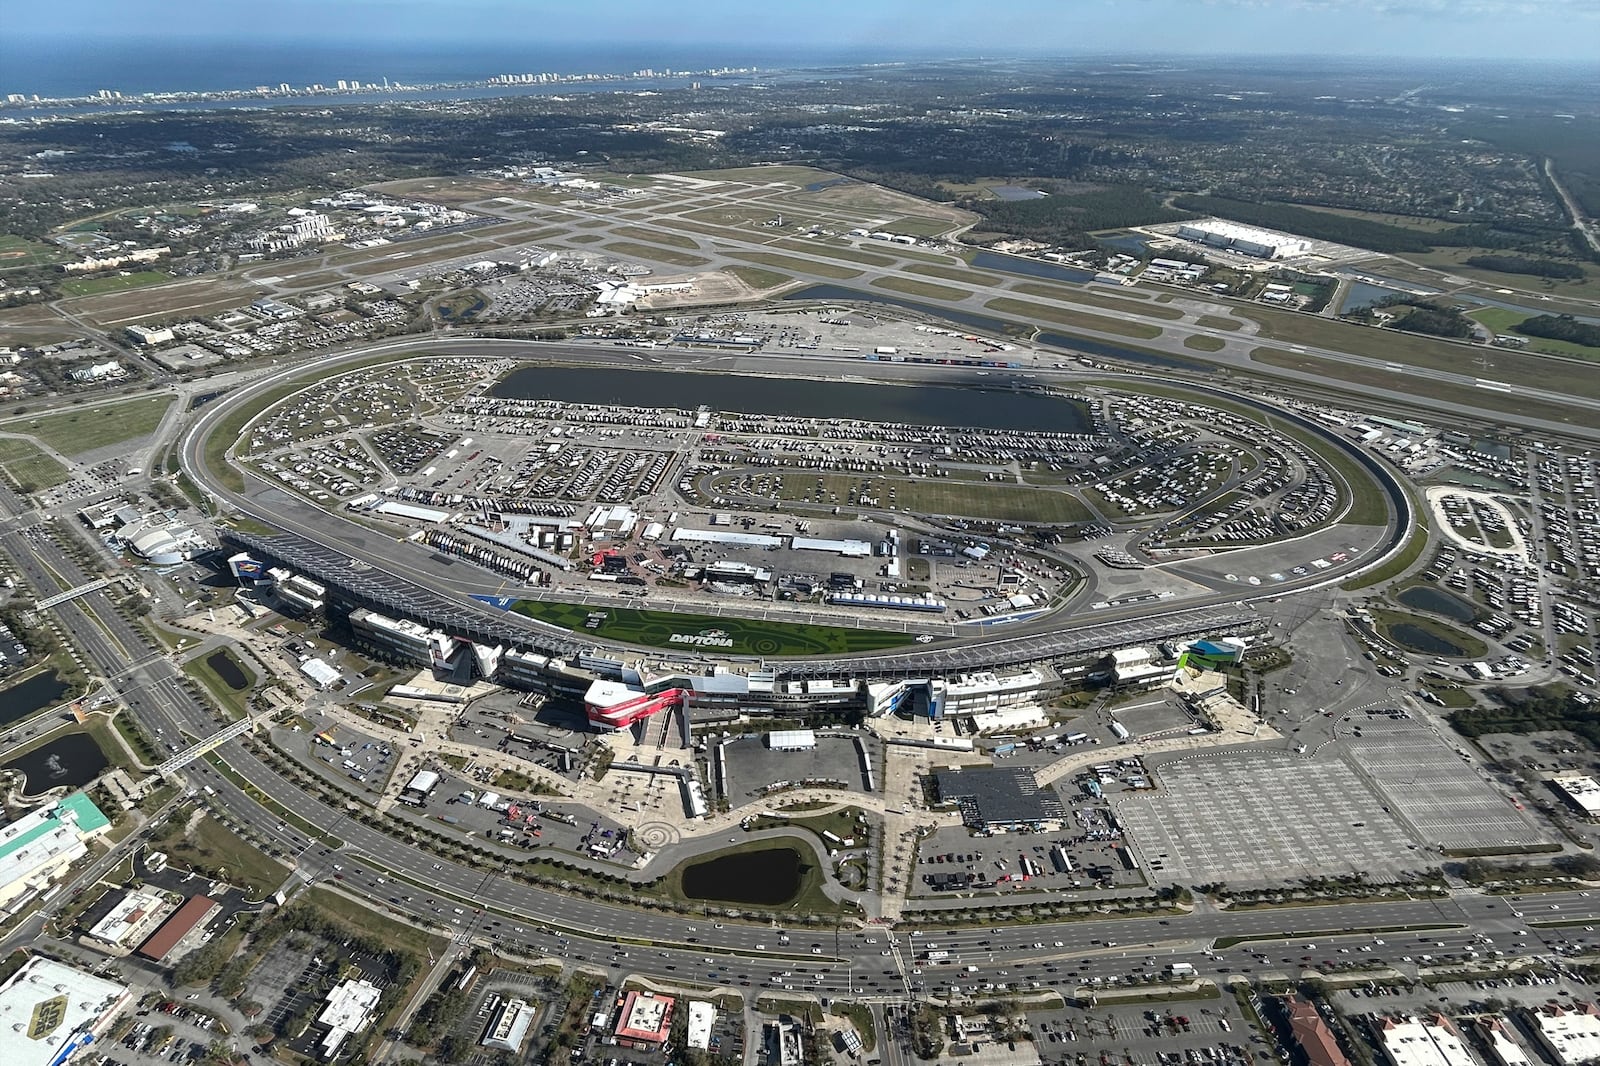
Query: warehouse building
1001, 799
1246, 240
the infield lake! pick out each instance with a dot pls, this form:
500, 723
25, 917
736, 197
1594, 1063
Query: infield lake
918, 405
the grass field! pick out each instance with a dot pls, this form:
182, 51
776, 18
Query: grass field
1412, 350
1218, 322
212, 846
585, 238
758, 277
835, 251
79, 430
115, 283
789, 262
656, 253
1453, 261
1201, 343
1487, 400
952, 273
1095, 299
942, 496
926, 289
655, 236
764, 175
1076, 319
26, 467
21, 252
233, 699
186, 298
654, 629
919, 226
1503, 319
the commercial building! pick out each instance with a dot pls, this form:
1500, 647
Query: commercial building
348, 1010
644, 1020
702, 1016
1001, 799
1504, 1047
37, 847
1428, 1041
1316, 1040
134, 917
49, 1012
148, 335
180, 932
1580, 791
508, 1026
1570, 1036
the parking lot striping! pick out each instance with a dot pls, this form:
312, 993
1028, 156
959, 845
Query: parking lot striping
1273, 818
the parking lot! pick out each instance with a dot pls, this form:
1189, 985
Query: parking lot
1433, 787
953, 861
1172, 1033
753, 767
1241, 816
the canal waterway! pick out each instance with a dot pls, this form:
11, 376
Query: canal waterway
766, 878
924, 405
72, 760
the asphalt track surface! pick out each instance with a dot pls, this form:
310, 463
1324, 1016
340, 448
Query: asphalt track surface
345, 553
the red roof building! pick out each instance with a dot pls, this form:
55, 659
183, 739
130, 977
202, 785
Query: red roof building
192, 915
644, 1020
1312, 1033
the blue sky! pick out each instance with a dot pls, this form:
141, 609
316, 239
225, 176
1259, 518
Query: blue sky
1560, 29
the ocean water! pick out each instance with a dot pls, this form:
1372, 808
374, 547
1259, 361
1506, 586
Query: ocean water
65, 68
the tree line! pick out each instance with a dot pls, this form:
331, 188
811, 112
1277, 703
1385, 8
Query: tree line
1560, 328
1539, 268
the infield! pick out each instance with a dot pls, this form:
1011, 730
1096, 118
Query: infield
655, 629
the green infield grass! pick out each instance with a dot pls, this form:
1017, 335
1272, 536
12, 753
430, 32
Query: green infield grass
750, 636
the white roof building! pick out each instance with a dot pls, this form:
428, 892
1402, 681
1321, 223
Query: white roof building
348, 1010
321, 674
1572, 1036
791, 740
49, 1012
134, 917
701, 1017
1582, 791
37, 846
508, 1027
1430, 1041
